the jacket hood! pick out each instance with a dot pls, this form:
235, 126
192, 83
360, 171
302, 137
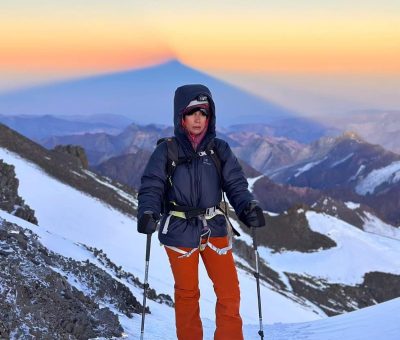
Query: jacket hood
183, 96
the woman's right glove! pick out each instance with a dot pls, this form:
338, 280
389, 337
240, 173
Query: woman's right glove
147, 223
252, 216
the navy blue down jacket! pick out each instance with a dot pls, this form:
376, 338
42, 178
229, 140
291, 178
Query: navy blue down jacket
196, 184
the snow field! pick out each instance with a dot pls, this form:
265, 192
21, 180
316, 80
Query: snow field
68, 217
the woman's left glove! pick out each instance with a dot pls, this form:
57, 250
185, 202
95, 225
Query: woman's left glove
252, 216
147, 223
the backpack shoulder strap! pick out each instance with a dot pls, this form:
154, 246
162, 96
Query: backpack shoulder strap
162, 140
213, 153
172, 156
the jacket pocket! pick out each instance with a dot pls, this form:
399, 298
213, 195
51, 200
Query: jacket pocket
218, 226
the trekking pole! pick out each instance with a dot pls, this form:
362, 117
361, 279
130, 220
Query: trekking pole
257, 276
146, 285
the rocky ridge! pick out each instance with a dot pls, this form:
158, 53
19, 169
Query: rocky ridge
59, 296
37, 297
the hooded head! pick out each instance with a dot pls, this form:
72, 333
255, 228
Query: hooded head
191, 97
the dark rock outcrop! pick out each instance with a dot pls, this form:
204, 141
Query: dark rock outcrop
341, 211
10, 201
382, 286
77, 151
290, 231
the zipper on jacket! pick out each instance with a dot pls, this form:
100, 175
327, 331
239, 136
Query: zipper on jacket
196, 180
192, 180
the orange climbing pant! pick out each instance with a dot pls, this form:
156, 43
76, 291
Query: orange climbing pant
222, 272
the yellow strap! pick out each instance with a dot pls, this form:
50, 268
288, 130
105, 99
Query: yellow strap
180, 214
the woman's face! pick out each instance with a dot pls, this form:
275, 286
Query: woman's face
195, 122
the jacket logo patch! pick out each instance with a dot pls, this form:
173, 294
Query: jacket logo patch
207, 161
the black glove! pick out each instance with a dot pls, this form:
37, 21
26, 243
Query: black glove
252, 216
147, 223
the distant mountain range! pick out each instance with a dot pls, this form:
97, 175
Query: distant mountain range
42, 127
100, 147
266, 147
144, 95
300, 129
351, 169
344, 167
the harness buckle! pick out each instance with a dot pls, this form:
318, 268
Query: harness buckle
210, 211
221, 251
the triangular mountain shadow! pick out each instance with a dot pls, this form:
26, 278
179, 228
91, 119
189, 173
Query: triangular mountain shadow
144, 95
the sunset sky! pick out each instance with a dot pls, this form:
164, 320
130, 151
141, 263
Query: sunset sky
42, 40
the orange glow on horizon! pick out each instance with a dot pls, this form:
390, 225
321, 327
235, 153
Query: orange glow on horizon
244, 42
300, 62
292, 44
85, 45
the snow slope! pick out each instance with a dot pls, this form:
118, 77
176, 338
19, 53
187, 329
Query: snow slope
380, 321
67, 216
376, 322
307, 167
252, 182
375, 226
357, 252
389, 174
